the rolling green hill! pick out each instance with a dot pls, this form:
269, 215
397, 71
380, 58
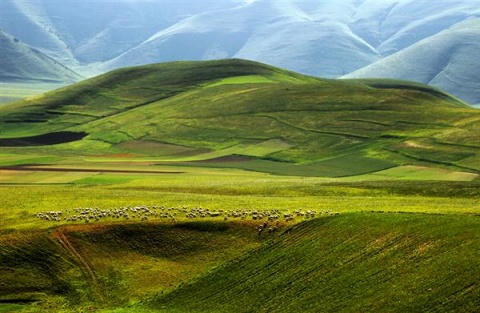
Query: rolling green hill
348, 263
235, 113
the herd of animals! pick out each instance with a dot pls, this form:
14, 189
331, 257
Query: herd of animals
146, 213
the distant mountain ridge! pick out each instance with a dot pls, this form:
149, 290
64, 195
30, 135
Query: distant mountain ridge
326, 39
20, 62
444, 60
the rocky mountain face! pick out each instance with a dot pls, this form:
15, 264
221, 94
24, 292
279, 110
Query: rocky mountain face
322, 38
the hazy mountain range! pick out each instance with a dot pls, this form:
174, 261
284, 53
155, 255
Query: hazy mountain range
20, 62
425, 41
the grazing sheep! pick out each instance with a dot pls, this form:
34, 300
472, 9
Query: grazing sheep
260, 230
272, 229
147, 212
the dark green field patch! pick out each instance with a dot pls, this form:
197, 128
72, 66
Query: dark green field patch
107, 179
348, 165
432, 188
159, 149
43, 140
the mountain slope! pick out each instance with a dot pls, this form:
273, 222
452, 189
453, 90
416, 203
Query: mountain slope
277, 33
236, 107
81, 32
31, 23
20, 62
444, 60
391, 26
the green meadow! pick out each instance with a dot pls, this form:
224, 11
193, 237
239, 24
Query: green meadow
10, 92
233, 186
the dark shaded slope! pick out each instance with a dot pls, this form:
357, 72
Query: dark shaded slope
112, 265
407, 85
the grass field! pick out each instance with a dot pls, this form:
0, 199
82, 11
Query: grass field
232, 186
137, 260
10, 92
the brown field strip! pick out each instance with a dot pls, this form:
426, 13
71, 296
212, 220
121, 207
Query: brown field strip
81, 170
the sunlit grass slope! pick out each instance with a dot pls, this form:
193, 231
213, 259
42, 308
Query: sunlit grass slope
286, 123
348, 263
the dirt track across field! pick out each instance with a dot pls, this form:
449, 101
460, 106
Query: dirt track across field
65, 242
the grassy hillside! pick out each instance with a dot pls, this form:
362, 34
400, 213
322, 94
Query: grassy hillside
285, 122
86, 266
121, 90
347, 263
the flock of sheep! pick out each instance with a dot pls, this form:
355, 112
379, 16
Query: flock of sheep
145, 213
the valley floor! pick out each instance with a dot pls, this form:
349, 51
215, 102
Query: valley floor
10, 92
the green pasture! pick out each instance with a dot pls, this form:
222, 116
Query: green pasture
385, 228
16, 159
228, 189
410, 172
